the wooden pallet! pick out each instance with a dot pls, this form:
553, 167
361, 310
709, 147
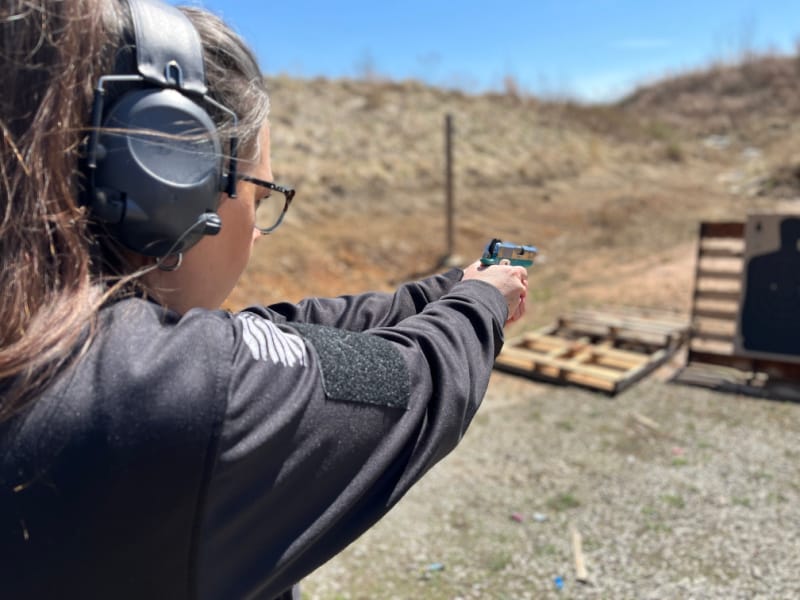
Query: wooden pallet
606, 351
737, 381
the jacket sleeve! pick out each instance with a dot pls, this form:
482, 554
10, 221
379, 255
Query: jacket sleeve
372, 309
326, 429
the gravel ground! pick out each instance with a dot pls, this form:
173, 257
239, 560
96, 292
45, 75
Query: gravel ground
676, 491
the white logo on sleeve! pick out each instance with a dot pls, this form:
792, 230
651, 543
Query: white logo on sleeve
268, 343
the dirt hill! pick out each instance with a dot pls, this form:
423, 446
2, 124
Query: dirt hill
758, 92
702, 502
611, 194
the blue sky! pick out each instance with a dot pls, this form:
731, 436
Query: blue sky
592, 50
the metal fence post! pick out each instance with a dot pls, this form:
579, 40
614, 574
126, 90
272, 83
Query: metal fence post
448, 153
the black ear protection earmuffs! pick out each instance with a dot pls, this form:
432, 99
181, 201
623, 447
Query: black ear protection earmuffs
154, 160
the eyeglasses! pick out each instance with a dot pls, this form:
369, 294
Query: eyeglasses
270, 209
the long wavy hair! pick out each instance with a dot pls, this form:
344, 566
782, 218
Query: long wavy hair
53, 280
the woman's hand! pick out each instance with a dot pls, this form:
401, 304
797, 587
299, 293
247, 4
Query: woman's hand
511, 281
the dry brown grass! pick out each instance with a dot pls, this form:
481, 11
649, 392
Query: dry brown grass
611, 194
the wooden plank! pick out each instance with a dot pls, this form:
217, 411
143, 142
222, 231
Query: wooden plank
623, 364
721, 248
558, 352
557, 376
719, 285
724, 327
711, 229
545, 343
592, 382
713, 304
628, 322
550, 346
581, 574
536, 360
715, 309
719, 274
728, 315
544, 340
729, 264
606, 352
720, 253
726, 296
725, 359
711, 345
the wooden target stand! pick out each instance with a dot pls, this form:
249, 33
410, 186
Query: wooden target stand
718, 356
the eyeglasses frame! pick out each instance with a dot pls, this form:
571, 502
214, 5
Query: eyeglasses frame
288, 194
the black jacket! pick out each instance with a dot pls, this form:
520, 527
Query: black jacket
220, 455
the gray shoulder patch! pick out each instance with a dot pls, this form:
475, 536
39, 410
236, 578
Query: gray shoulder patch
357, 367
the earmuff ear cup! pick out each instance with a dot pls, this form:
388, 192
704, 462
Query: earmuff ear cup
159, 164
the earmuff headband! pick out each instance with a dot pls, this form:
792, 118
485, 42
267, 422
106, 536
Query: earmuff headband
167, 56
154, 159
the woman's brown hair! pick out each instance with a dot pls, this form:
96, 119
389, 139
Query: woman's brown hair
52, 284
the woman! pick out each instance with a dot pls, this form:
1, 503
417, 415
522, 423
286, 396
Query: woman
152, 445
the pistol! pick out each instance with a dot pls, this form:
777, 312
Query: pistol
498, 252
